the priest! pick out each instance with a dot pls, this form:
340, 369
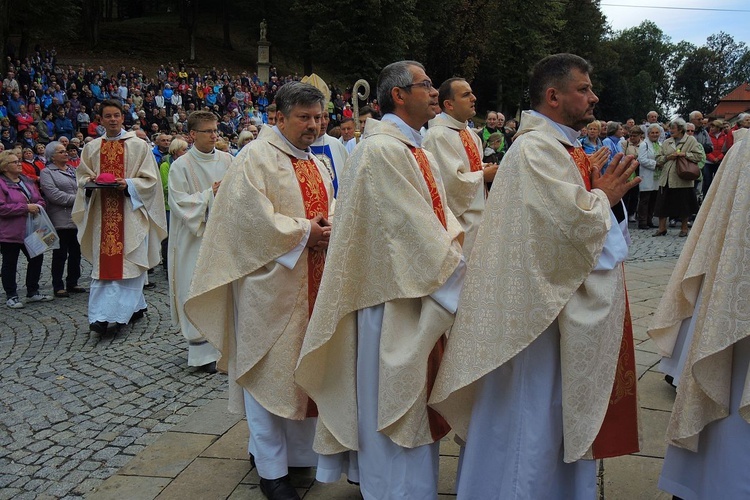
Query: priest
121, 220
538, 375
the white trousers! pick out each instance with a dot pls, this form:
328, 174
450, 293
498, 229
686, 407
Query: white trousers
388, 471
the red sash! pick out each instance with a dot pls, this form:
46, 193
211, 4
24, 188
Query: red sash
475, 161
315, 198
439, 428
112, 243
618, 434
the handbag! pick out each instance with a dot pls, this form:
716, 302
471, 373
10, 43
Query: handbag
40, 234
687, 170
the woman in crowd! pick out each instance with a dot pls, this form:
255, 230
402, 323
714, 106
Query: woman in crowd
635, 138
614, 134
19, 197
31, 167
676, 196
647, 152
59, 185
591, 142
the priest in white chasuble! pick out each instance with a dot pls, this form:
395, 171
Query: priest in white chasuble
458, 151
120, 218
387, 298
538, 375
704, 318
194, 181
256, 281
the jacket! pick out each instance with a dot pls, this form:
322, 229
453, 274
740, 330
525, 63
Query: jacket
14, 208
692, 149
59, 190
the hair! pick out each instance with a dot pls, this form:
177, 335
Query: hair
717, 123
198, 117
49, 150
445, 92
271, 108
245, 137
657, 126
111, 103
596, 124
693, 114
494, 136
742, 116
394, 75
553, 71
295, 94
679, 123
367, 110
222, 145
5, 159
347, 120
612, 127
636, 130
490, 113
177, 145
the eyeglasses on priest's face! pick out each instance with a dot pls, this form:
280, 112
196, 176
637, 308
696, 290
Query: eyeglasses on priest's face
427, 84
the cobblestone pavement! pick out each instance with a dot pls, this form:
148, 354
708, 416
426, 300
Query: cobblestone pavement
77, 406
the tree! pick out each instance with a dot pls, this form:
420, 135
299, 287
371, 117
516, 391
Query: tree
91, 15
226, 19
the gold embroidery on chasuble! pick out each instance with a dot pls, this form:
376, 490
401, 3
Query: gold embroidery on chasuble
112, 240
618, 434
439, 428
315, 199
475, 161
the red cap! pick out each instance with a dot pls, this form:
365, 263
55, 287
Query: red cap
106, 178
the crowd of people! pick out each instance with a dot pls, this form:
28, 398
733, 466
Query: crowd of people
320, 262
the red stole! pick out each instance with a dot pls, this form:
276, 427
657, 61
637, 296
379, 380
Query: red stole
315, 199
618, 434
439, 428
475, 161
112, 242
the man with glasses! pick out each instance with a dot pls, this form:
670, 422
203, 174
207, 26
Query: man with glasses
194, 180
256, 281
458, 151
393, 274
120, 218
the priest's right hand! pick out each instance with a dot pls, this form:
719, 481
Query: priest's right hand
489, 172
319, 234
614, 182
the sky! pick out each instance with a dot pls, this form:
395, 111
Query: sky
690, 20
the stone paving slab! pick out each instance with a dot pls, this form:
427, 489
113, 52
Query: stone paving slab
76, 407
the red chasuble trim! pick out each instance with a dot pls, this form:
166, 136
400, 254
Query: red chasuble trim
475, 161
112, 242
439, 428
315, 199
618, 434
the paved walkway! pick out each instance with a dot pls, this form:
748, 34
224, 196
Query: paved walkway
124, 417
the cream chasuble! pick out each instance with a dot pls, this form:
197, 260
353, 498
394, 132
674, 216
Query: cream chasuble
540, 240
191, 197
258, 217
464, 186
387, 247
716, 254
145, 226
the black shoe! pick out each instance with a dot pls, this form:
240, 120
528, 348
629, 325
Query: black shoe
208, 367
136, 316
149, 285
278, 489
76, 289
670, 380
99, 327
151, 271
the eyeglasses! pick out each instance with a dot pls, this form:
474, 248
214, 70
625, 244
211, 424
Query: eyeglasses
426, 84
690, 131
209, 131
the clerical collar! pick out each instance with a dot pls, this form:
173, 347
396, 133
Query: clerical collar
413, 136
201, 155
459, 125
569, 133
115, 138
300, 154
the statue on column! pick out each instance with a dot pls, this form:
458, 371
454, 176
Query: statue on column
263, 29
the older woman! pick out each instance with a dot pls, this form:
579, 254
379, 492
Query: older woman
19, 197
676, 196
58, 182
614, 134
591, 142
177, 148
649, 175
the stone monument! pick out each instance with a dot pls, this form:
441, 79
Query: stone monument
264, 54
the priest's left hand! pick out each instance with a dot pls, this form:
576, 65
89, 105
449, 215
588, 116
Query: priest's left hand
122, 184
